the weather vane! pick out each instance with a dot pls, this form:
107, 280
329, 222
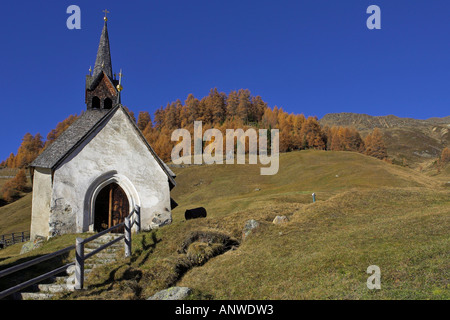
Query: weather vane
105, 11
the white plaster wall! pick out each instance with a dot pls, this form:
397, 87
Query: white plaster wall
114, 150
42, 193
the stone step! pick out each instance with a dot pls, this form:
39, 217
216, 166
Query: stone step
35, 296
63, 279
103, 254
105, 238
103, 241
59, 284
98, 261
113, 248
56, 288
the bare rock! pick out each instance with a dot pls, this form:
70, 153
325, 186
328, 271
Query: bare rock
31, 245
173, 293
280, 220
248, 228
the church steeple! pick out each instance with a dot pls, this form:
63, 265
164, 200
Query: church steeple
103, 60
101, 87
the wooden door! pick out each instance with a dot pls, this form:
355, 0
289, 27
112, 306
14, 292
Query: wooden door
111, 208
119, 208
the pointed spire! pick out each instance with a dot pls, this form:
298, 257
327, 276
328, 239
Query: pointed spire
103, 60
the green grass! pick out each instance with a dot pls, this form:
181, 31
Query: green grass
223, 189
16, 216
18, 213
368, 212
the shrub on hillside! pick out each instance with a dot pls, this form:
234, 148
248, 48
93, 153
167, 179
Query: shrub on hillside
375, 146
445, 156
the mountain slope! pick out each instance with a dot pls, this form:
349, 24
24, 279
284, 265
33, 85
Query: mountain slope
409, 141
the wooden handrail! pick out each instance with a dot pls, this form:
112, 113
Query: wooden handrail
30, 263
80, 257
28, 283
101, 233
106, 245
35, 261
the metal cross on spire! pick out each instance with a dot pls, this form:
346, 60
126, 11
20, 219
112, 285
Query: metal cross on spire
106, 12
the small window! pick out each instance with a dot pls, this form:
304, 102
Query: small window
95, 103
107, 103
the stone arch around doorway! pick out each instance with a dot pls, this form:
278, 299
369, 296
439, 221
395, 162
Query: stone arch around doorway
102, 181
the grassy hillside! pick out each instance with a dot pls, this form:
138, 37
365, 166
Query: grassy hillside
368, 212
16, 216
324, 251
224, 189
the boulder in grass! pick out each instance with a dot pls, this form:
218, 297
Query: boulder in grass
249, 226
280, 220
173, 293
31, 245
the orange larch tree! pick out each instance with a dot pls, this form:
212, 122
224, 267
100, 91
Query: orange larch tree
375, 146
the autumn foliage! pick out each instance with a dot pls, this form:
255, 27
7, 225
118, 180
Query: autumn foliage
30, 148
344, 139
238, 109
445, 156
13, 187
375, 146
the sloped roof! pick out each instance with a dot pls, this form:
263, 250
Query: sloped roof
95, 81
73, 136
163, 165
70, 138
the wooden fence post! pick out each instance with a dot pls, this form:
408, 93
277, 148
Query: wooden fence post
127, 237
138, 213
79, 264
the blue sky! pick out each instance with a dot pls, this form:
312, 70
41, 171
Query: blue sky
306, 56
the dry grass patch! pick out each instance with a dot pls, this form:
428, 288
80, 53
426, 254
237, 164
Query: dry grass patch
325, 250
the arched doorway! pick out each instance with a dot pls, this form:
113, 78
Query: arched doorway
111, 208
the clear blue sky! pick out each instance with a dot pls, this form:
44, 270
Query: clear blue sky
306, 56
